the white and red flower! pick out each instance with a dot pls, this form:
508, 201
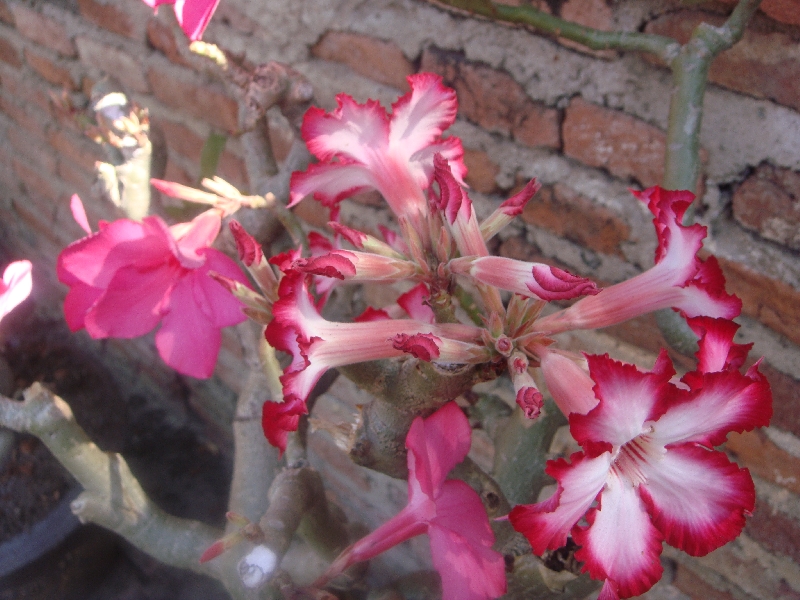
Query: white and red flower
193, 15
649, 465
131, 276
678, 280
448, 510
360, 147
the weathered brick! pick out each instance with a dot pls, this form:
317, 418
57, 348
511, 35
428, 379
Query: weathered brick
696, 587
763, 64
609, 139
50, 70
785, 399
228, 14
25, 90
176, 173
768, 202
42, 30
198, 99
9, 53
775, 531
33, 124
114, 62
756, 452
233, 170
576, 218
33, 179
377, 59
162, 38
6, 16
78, 149
108, 16
482, 171
494, 100
775, 303
596, 14
43, 159
78, 179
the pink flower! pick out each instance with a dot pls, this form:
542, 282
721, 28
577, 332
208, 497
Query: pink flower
679, 279
193, 15
15, 286
360, 147
130, 276
449, 511
648, 461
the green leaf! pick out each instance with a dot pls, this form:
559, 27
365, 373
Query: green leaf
209, 157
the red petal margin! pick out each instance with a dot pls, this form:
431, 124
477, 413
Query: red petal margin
278, 419
333, 265
530, 400
424, 346
249, 249
557, 284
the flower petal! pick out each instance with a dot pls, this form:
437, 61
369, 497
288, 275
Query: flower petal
547, 524
353, 130
16, 285
697, 498
420, 116
330, 183
436, 445
279, 418
194, 15
621, 543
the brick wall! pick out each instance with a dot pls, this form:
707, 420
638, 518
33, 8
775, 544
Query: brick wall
588, 125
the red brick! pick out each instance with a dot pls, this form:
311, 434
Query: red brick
33, 180
624, 145
775, 531
785, 399
78, 179
9, 54
494, 100
175, 173
78, 149
570, 215
233, 170
25, 90
6, 16
763, 64
775, 303
162, 37
482, 171
785, 11
227, 14
34, 125
181, 139
695, 587
379, 60
42, 30
589, 13
198, 99
50, 70
108, 16
32, 148
755, 451
114, 62
768, 202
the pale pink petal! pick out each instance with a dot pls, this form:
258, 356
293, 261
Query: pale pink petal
356, 131
420, 116
724, 402
570, 385
16, 286
697, 498
194, 15
194, 237
547, 524
330, 183
621, 543
132, 304
79, 213
436, 445
533, 280
188, 341
509, 209
628, 399
450, 149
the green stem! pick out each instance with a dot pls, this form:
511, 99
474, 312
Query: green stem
664, 47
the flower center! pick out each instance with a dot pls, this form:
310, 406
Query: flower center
632, 458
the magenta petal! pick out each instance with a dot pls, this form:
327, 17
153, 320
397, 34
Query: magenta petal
194, 15
219, 305
132, 303
469, 571
79, 300
697, 498
79, 213
459, 508
280, 418
193, 238
424, 346
621, 543
436, 445
188, 341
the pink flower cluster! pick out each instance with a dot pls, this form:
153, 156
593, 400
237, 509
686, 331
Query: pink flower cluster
648, 471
